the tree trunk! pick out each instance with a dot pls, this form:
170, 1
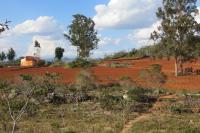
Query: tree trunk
14, 125
181, 67
176, 67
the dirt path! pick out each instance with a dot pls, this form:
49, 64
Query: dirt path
130, 123
145, 116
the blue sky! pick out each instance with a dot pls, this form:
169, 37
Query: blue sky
121, 24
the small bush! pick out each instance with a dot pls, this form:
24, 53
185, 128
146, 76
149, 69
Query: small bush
58, 99
85, 81
192, 130
81, 63
137, 94
117, 55
126, 82
154, 75
55, 125
110, 102
41, 63
57, 64
26, 77
118, 65
32, 109
16, 105
180, 109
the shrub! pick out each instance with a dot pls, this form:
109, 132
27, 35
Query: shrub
32, 109
117, 65
26, 77
70, 132
117, 55
41, 63
57, 63
17, 105
154, 75
55, 125
110, 102
58, 99
10, 63
81, 63
192, 130
126, 82
180, 108
85, 81
137, 94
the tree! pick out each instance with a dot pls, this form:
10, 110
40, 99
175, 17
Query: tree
2, 56
59, 53
4, 26
37, 44
178, 30
11, 54
83, 35
37, 49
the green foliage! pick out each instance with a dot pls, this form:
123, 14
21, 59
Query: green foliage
117, 55
16, 106
2, 56
26, 77
118, 65
83, 35
178, 33
55, 125
137, 94
180, 108
110, 102
82, 63
10, 63
41, 63
192, 130
134, 53
59, 53
57, 63
11, 54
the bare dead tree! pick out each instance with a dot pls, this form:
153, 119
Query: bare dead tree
8, 96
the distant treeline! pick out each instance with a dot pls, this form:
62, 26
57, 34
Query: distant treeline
155, 51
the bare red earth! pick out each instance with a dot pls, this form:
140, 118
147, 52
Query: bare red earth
105, 74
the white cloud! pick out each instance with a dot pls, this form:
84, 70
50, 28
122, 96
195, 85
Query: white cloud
42, 25
126, 13
108, 41
45, 29
141, 37
198, 16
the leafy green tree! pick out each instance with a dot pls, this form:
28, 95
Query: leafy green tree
11, 54
2, 56
178, 30
83, 35
59, 53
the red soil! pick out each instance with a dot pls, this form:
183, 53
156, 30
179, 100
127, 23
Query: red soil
105, 74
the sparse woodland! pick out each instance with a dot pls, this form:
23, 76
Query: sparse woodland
42, 103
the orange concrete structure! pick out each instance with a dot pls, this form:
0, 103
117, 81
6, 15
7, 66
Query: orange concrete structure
29, 61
